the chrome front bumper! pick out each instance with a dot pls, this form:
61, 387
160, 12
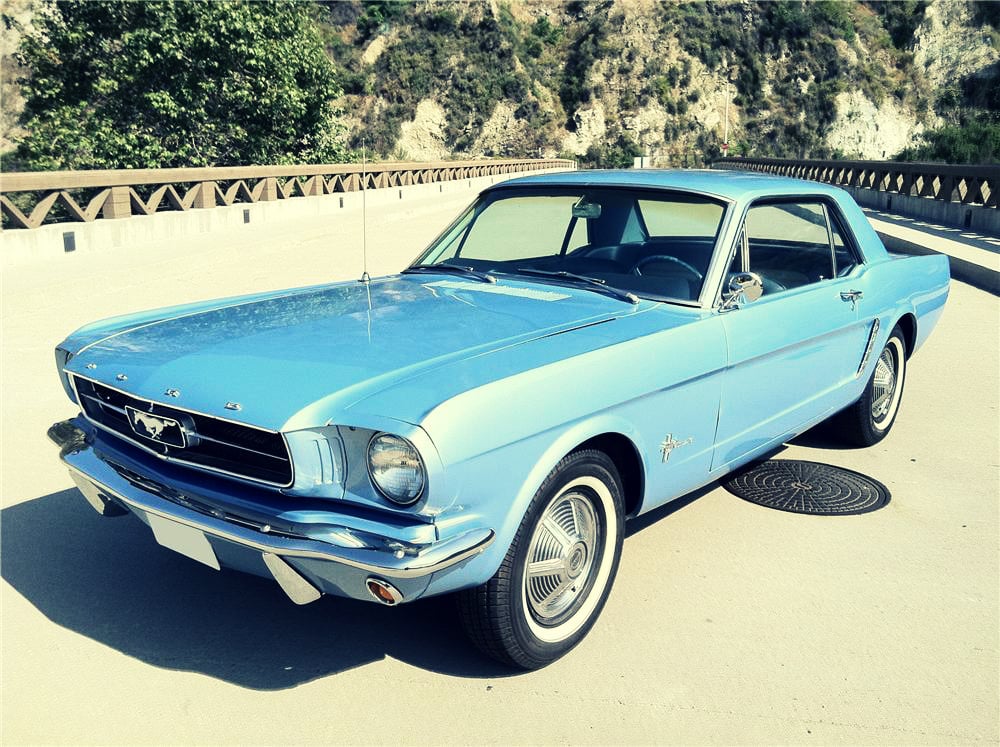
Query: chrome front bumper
342, 563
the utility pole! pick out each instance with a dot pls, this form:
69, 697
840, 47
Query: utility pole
725, 138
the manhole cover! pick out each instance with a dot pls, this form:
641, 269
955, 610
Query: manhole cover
808, 488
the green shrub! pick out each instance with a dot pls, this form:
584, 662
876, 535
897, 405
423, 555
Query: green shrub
616, 152
974, 139
376, 14
900, 18
546, 32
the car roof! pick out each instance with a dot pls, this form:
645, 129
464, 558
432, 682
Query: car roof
728, 184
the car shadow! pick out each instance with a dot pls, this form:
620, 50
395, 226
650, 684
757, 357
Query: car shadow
107, 579
646, 520
825, 435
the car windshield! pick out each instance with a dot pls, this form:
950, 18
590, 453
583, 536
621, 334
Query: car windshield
655, 244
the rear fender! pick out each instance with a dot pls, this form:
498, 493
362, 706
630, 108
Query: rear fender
916, 285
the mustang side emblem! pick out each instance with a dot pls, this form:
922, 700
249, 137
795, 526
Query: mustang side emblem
670, 443
155, 427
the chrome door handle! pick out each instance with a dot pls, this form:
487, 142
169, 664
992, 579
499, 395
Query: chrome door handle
853, 296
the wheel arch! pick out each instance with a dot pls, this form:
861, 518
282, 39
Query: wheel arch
621, 450
907, 324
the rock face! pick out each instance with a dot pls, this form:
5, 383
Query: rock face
869, 131
947, 46
501, 131
671, 80
589, 127
18, 15
950, 45
422, 138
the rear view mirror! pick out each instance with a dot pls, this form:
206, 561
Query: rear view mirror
584, 209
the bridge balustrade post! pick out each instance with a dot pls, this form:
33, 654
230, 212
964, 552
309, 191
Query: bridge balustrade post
118, 204
204, 196
268, 190
946, 189
907, 186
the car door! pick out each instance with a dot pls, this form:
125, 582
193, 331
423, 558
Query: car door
793, 350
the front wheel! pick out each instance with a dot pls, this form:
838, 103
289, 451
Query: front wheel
869, 420
558, 572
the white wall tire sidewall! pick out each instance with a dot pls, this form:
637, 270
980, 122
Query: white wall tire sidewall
897, 394
566, 629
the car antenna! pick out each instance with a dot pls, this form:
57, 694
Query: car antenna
365, 277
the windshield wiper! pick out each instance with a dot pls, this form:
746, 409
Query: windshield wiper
595, 284
468, 272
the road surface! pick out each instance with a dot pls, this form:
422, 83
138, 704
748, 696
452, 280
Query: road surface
729, 623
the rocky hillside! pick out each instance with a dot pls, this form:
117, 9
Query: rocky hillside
596, 80
602, 80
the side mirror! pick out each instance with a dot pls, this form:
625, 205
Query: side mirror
743, 288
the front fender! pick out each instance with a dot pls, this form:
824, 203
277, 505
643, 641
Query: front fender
497, 496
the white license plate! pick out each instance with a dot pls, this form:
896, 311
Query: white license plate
183, 539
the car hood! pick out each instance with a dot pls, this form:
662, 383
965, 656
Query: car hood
337, 344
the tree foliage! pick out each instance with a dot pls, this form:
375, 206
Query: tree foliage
164, 83
618, 152
973, 139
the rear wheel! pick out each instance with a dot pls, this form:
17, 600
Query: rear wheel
870, 419
558, 572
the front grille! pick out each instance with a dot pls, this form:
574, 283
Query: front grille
220, 445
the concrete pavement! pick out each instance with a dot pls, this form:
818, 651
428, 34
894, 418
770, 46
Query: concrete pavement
729, 623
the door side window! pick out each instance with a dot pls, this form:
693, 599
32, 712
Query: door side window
790, 244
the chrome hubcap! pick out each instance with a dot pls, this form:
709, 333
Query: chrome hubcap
884, 384
561, 556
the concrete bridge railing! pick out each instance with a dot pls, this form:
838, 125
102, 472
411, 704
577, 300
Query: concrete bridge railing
965, 184
964, 196
29, 200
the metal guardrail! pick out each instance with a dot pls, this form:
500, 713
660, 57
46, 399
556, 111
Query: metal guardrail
85, 196
967, 185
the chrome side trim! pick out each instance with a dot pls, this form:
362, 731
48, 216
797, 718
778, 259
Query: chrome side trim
868, 348
173, 459
390, 557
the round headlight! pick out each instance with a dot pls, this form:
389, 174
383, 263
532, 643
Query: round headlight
395, 468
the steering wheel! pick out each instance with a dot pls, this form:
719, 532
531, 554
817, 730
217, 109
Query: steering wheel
669, 260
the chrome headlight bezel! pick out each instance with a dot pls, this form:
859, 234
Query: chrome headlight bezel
406, 500
64, 356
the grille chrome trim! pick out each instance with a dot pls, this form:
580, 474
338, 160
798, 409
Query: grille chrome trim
73, 374
178, 460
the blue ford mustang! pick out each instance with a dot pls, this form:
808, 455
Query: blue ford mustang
574, 350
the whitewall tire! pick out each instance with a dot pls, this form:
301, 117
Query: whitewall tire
558, 572
870, 419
